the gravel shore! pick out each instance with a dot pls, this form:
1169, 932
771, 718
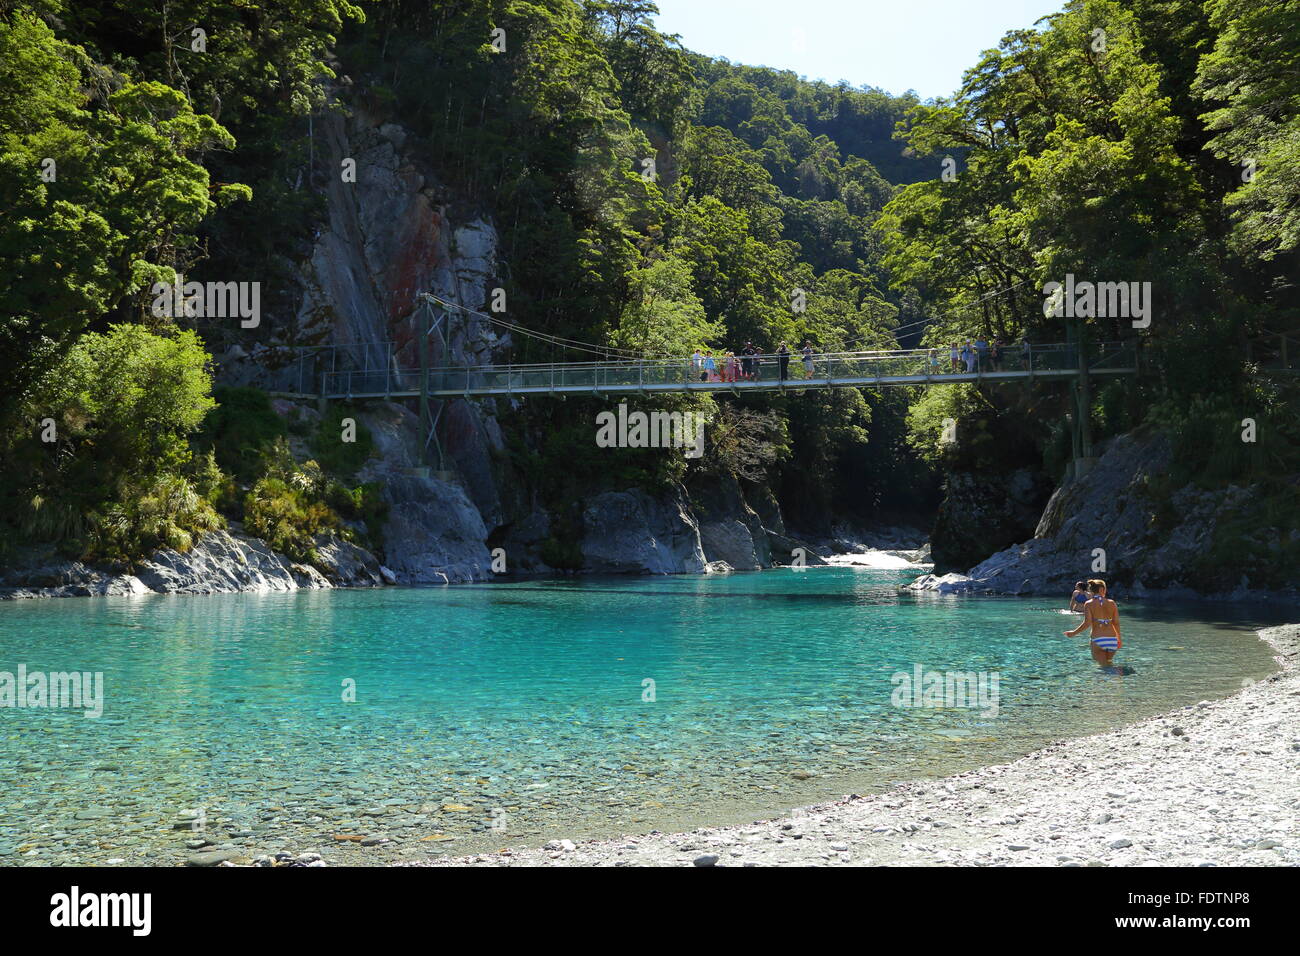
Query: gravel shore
1213, 784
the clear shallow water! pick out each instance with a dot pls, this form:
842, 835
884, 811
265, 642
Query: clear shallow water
523, 704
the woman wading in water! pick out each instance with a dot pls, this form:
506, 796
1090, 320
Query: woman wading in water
1102, 615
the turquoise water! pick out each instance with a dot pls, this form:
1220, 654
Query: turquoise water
523, 707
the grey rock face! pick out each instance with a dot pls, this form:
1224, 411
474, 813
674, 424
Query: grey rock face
1110, 510
629, 531
388, 238
434, 534
730, 530
221, 562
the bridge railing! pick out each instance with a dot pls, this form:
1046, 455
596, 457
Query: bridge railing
684, 373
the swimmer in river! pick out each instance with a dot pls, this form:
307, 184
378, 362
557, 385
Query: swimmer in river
1080, 597
1102, 615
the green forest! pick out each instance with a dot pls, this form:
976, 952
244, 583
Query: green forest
1148, 141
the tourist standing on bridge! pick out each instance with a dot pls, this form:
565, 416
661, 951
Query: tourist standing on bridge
955, 357
731, 367
696, 358
968, 356
783, 360
755, 370
982, 354
808, 364
747, 360
710, 368
1025, 353
998, 346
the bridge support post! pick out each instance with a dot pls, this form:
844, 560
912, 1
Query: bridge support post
432, 448
1083, 457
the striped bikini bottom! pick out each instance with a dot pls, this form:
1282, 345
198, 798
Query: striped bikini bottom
1106, 643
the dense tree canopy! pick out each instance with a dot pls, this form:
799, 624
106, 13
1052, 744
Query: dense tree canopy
651, 200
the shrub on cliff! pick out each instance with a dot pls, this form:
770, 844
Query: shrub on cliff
106, 468
284, 514
337, 456
291, 503
240, 427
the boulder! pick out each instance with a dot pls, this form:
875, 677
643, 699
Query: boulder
630, 532
218, 563
346, 565
730, 530
434, 534
733, 543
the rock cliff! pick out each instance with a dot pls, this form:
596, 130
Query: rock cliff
1122, 524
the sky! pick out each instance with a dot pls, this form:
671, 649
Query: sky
897, 45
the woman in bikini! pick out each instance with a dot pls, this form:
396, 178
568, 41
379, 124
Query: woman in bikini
1102, 615
1079, 598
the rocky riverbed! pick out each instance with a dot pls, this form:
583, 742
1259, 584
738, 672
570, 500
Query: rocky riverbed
1211, 784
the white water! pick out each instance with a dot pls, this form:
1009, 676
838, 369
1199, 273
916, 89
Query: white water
885, 560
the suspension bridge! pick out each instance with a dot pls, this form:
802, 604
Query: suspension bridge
377, 370
898, 367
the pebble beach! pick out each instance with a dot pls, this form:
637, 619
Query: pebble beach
1213, 784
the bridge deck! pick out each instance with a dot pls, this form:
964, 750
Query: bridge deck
910, 367
521, 386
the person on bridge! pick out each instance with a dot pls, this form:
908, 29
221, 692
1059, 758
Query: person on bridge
1025, 353
783, 360
696, 358
747, 360
755, 362
968, 356
955, 358
808, 364
982, 354
731, 368
710, 368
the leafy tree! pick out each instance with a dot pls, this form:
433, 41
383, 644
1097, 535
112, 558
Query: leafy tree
122, 195
115, 478
1250, 76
